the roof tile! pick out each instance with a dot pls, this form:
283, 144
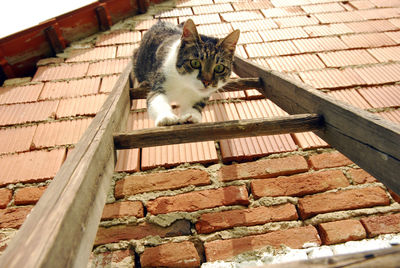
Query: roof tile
384, 96
295, 63
62, 71
283, 34
372, 26
126, 50
202, 19
395, 36
296, 21
323, 8
190, 3
19, 94
37, 111
71, 88
60, 133
33, 166
245, 5
246, 26
282, 12
350, 96
386, 3
217, 29
362, 4
367, 40
379, 13
106, 67
176, 12
386, 54
280, 3
346, 58
308, 140
87, 105
335, 17
272, 49
215, 8
326, 30
128, 160
118, 37
332, 78
319, 44
379, 74
393, 116
16, 139
249, 37
90, 54
241, 16
146, 24
107, 83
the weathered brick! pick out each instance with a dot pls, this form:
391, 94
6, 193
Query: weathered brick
182, 254
342, 200
29, 195
263, 169
118, 258
293, 238
5, 197
211, 222
123, 209
329, 160
299, 185
360, 176
232, 195
13, 217
128, 232
377, 225
160, 181
341, 231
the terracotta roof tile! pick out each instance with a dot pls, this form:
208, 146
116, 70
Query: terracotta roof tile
215, 8
33, 166
126, 50
379, 74
334, 17
386, 3
71, 88
296, 21
128, 160
395, 36
326, 30
372, 26
245, 5
118, 37
245, 26
241, 16
347, 57
215, 29
272, 49
107, 67
332, 78
384, 96
62, 71
146, 24
87, 105
16, 139
362, 4
241, 51
283, 34
90, 54
386, 54
107, 83
295, 63
393, 116
138, 104
379, 13
60, 133
308, 140
190, 3
367, 40
280, 3
283, 12
395, 21
228, 95
202, 19
249, 37
176, 12
18, 94
350, 96
253, 94
323, 8
319, 44
37, 111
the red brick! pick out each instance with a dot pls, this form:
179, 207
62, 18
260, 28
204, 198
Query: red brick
360, 176
29, 195
5, 197
128, 232
117, 258
293, 238
211, 222
382, 224
182, 254
232, 195
329, 160
135, 184
123, 209
13, 217
342, 200
299, 185
263, 169
341, 231
395, 196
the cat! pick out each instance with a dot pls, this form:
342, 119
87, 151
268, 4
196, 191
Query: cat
184, 67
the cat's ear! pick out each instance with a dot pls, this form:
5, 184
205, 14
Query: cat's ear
189, 33
229, 42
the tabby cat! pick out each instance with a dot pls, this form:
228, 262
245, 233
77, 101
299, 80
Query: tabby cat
184, 67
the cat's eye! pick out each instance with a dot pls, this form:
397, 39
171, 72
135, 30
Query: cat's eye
196, 64
219, 68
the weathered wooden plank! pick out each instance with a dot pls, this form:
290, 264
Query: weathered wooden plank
61, 228
217, 131
234, 84
369, 140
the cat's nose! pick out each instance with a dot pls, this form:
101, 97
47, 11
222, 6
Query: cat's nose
206, 83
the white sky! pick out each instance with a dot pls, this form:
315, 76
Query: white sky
18, 15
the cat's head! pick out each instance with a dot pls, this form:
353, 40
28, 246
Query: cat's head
210, 59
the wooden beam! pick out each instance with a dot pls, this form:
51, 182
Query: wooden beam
61, 229
367, 139
143, 5
234, 84
103, 17
56, 41
216, 131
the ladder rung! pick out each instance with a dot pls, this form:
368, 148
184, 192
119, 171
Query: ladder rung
217, 131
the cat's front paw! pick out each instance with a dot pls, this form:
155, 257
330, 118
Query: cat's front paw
167, 120
190, 118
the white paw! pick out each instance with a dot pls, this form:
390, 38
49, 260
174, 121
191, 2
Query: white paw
194, 117
167, 120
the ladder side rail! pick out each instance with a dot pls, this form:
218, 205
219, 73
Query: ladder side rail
370, 141
61, 228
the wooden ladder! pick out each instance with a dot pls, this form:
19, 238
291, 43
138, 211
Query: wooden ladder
61, 228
